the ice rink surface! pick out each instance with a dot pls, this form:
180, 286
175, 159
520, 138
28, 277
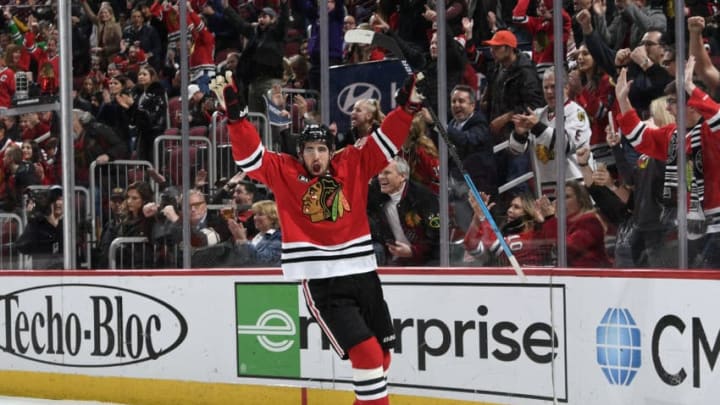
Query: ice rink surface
35, 401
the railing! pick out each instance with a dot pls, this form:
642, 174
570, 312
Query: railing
11, 227
168, 157
83, 217
121, 244
106, 177
225, 164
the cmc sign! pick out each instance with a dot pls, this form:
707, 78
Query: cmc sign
88, 325
619, 347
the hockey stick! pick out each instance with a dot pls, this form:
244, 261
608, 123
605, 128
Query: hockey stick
456, 158
373, 38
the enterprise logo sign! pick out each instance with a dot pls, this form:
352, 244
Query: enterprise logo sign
477, 333
264, 328
618, 346
268, 343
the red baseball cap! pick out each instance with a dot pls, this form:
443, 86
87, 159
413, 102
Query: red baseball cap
502, 38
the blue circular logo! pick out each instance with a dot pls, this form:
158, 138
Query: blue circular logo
618, 346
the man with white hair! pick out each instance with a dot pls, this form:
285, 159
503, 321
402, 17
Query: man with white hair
405, 217
206, 228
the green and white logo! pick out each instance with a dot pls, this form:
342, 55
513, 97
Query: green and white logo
268, 342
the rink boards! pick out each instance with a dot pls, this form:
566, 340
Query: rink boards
463, 336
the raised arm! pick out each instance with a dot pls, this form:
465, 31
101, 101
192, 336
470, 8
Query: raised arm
647, 20
597, 46
89, 12
706, 71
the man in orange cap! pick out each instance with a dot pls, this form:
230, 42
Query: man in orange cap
513, 86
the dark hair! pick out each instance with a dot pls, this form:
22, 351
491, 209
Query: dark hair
657, 4
153, 73
671, 88
121, 78
36, 156
44, 200
315, 133
581, 194
465, 89
143, 189
250, 187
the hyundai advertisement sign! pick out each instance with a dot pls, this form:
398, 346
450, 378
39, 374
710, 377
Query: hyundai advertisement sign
350, 83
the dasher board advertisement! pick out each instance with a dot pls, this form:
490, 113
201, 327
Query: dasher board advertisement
369, 80
573, 339
450, 337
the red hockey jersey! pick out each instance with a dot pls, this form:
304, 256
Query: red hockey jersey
325, 230
7, 86
658, 143
530, 247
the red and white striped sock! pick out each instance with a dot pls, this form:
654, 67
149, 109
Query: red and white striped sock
367, 359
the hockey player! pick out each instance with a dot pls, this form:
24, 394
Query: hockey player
326, 243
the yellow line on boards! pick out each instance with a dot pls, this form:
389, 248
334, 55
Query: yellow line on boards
141, 391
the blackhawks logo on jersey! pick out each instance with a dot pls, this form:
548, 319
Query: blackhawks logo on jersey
544, 154
324, 200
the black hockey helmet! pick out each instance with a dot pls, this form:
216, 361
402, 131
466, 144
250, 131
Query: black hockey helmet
314, 132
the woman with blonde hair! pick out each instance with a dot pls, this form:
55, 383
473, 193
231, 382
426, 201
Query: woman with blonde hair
265, 248
106, 34
659, 114
585, 236
366, 116
421, 153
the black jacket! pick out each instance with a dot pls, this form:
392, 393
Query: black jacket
646, 86
263, 55
149, 111
43, 242
97, 139
148, 116
420, 60
115, 116
138, 255
474, 144
514, 90
418, 211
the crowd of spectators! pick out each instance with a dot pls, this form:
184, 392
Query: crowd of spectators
621, 192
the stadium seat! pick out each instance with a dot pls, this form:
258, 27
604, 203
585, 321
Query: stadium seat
175, 112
